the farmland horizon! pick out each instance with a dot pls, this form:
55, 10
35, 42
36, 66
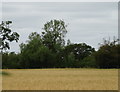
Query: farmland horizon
61, 46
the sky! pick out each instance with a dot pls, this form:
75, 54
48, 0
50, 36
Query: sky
88, 22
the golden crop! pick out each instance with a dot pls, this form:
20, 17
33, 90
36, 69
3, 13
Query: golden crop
60, 79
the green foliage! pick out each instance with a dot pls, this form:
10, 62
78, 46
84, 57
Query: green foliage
6, 35
10, 60
28, 50
79, 50
34, 54
70, 62
73, 54
108, 55
88, 62
54, 34
42, 51
45, 57
48, 50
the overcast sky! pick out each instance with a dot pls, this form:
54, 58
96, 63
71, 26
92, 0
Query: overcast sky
88, 22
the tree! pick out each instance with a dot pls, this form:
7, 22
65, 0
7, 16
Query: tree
80, 50
10, 60
36, 55
28, 50
33, 43
6, 35
53, 37
70, 60
108, 54
88, 62
42, 50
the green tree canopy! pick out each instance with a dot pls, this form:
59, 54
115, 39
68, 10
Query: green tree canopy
34, 54
108, 54
54, 33
79, 50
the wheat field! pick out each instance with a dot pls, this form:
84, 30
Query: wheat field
60, 79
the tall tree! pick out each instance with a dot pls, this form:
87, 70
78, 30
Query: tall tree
53, 37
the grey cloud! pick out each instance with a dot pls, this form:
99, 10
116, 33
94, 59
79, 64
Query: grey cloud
71, 7
88, 22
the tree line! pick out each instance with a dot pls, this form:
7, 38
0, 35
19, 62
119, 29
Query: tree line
48, 50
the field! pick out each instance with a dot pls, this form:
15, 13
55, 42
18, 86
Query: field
60, 79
